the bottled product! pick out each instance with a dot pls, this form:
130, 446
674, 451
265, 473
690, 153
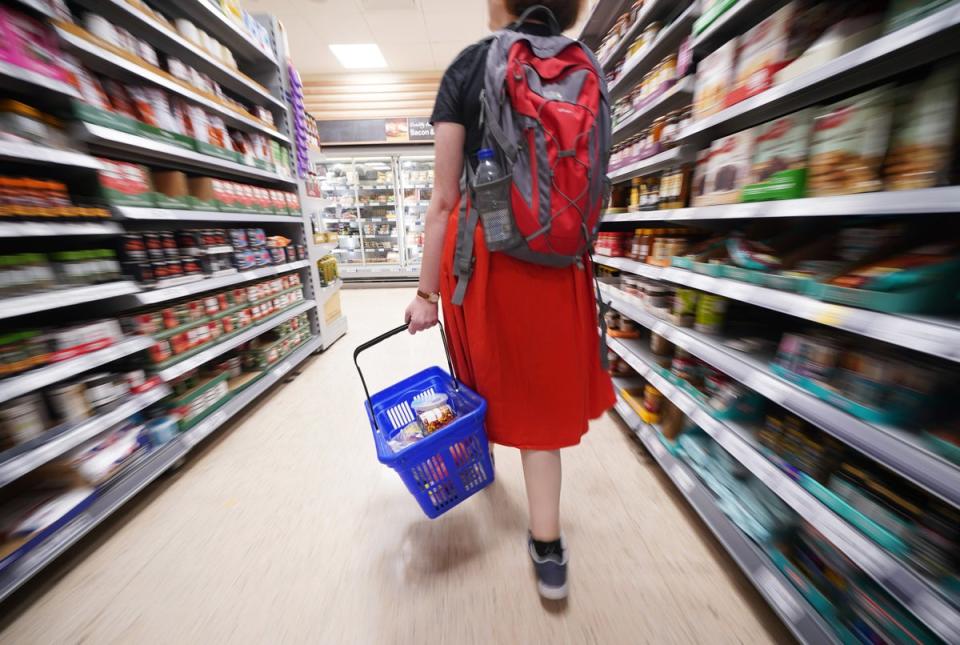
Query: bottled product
492, 202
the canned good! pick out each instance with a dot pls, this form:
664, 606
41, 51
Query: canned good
133, 248
711, 311
69, 402
23, 419
140, 271
160, 351
685, 306
652, 399
102, 390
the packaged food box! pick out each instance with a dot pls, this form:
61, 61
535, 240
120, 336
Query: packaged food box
849, 142
171, 189
29, 43
925, 133
728, 168
779, 168
714, 81
775, 42
125, 184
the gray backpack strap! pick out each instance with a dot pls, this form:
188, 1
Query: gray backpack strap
463, 258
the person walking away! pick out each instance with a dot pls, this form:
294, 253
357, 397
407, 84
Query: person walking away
508, 257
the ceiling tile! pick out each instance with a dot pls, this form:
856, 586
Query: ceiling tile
407, 57
397, 26
445, 51
466, 26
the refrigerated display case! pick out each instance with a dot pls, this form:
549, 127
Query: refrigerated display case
372, 208
416, 189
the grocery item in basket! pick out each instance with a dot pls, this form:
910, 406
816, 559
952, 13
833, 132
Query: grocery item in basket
779, 167
715, 75
923, 148
727, 169
433, 411
408, 435
849, 143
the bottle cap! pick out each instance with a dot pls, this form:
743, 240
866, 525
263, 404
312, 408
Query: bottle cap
485, 153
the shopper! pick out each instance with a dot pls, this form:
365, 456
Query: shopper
525, 336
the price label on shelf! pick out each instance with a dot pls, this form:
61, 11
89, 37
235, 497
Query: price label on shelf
778, 595
656, 447
683, 480
833, 315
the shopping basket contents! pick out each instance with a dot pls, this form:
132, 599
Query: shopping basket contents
429, 428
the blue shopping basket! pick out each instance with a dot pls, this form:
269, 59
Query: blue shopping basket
450, 465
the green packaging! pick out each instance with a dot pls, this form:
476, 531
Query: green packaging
779, 167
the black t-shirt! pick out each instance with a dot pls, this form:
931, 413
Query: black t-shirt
458, 99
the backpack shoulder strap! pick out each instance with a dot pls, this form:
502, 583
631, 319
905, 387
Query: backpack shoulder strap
463, 258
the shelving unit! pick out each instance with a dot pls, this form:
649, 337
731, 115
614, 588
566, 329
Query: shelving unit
35, 154
100, 58
913, 592
903, 450
936, 336
260, 81
662, 161
642, 62
795, 612
165, 214
929, 39
925, 201
602, 15
141, 474
648, 12
14, 386
59, 298
140, 149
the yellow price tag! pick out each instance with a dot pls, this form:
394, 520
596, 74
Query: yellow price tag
832, 315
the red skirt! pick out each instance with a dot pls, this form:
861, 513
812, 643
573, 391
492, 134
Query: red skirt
526, 340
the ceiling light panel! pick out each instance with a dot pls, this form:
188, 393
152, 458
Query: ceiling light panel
359, 56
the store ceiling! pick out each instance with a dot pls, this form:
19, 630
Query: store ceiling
414, 35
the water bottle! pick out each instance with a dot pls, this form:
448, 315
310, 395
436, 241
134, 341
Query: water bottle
493, 202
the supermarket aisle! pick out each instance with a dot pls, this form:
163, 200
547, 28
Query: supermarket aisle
287, 530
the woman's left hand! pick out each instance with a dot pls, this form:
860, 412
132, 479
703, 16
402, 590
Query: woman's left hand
421, 315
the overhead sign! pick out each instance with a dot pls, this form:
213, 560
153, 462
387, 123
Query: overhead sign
367, 131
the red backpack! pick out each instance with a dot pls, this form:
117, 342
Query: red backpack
545, 114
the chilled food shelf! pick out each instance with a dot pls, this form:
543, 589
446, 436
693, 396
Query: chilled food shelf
736, 20
666, 159
936, 336
208, 284
676, 97
896, 449
202, 430
58, 298
14, 386
602, 16
18, 461
100, 58
173, 44
25, 81
141, 149
40, 155
57, 229
209, 18
139, 475
795, 612
915, 594
642, 62
176, 215
926, 40
649, 11
924, 201
183, 366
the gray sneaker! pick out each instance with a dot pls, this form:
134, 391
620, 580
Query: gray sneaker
551, 571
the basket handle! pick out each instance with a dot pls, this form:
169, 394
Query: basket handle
382, 337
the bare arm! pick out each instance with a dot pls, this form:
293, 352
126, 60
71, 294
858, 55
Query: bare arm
448, 168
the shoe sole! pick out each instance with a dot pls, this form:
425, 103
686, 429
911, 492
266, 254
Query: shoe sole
552, 593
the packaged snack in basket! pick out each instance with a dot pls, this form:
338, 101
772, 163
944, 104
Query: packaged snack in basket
922, 151
714, 80
433, 411
779, 168
849, 142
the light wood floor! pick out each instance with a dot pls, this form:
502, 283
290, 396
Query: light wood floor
286, 529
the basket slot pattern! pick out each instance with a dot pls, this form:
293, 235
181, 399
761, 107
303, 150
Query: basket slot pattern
433, 476
402, 415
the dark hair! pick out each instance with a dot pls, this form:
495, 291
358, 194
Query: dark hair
566, 11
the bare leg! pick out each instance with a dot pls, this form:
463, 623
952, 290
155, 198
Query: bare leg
541, 472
